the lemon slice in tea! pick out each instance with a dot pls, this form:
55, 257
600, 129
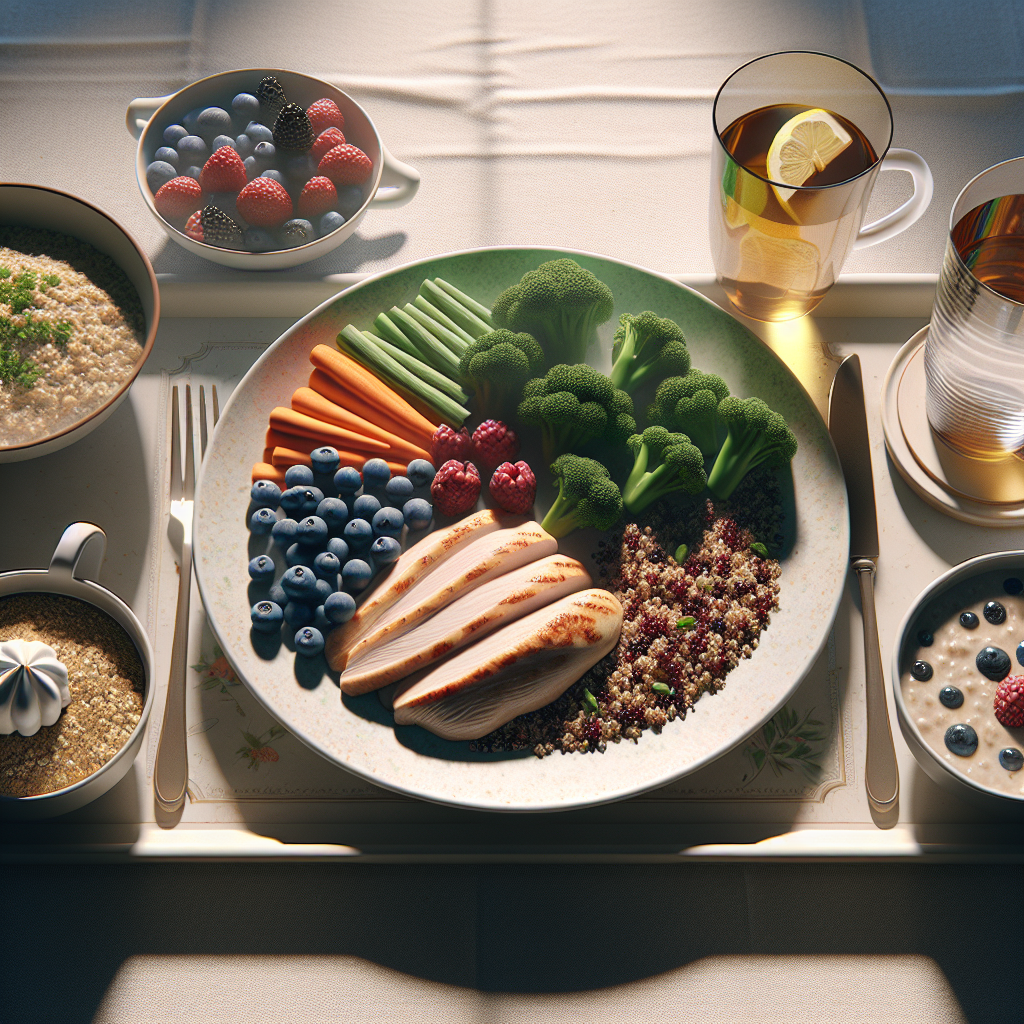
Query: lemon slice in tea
783, 263
804, 145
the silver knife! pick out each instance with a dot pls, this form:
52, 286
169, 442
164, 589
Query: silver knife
848, 425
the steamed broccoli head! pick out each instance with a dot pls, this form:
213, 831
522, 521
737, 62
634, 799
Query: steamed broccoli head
645, 346
757, 436
587, 497
560, 303
664, 463
689, 405
497, 365
574, 406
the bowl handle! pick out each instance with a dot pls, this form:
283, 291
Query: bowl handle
400, 180
140, 110
79, 552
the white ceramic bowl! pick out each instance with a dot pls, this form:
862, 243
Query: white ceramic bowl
148, 116
37, 207
78, 555
935, 767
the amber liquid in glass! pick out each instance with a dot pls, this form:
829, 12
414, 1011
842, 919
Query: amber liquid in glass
990, 241
783, 255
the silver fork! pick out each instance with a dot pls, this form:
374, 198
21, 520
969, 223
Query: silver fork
171, 774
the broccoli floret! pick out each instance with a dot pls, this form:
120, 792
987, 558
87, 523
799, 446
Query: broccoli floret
576, 405
689, 405
757, 436
497, 365
587, 496
559, 303
647, 345
663, 463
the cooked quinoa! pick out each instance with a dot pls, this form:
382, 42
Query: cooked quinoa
79, 287
658, 671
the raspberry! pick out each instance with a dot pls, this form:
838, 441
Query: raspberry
318, 196
450, 444
494, 443
292, 130
194, 227
346, 165
1009, 702
325, 114
271, 97
264, 203
223, 172
514, 488
219, 229
179, 198
325, 142
455, 488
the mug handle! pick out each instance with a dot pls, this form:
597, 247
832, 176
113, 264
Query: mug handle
140, 110
79, 552
903, 216
400, 179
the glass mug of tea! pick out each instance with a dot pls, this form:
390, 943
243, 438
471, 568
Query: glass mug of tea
800, 139
974, 352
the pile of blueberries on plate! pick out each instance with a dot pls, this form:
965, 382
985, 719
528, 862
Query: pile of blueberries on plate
339, 529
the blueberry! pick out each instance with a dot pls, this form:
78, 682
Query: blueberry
168, 154
356, 575
350, 200
995, 613
1011, 759
158, 173
191, 120
245, 106
418, 513
385, 550
330, 221
324, 589
1013, 585
325, 459
348, 480
340, 607
312, 532
295, 475
399, 489
213, 121
320, 620
358, 535
193, 149
266, 616
309, 642
174, 133
261, 569
297, 231
327, 565
277, 595
951, 697
338, 546
259, 132
221, 141
299, 168
1020, 653
969, 620
265, 493
993, 663
298, 614
275, 175
924, 638
961, 740
388, 522
420, 472
265, 154
193, 172
261, 522
376, 473
299, 583
334, 512
303, 500
258, 240
252, 168
292, 499
921, 671
366, 506
244, 145
284, 532
298, 554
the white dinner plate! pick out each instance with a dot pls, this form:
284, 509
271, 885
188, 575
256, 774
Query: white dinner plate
358, 733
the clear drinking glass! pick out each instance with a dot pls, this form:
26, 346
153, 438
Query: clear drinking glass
776, 248
974, 353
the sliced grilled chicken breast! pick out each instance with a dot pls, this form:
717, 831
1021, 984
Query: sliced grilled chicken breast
464, 570
412, 565
519, 668
470, 617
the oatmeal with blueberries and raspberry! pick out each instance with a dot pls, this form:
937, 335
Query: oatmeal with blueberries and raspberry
963, 682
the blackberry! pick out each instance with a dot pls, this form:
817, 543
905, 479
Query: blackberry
292, 129
219, 229
271, 97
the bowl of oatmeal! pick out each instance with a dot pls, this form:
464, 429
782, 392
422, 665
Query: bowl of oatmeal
959, 656
54, 767
79, 308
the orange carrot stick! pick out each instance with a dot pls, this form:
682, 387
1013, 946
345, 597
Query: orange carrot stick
293, 422
265, 471
286, 439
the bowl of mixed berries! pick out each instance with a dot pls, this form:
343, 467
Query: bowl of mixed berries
262, 169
